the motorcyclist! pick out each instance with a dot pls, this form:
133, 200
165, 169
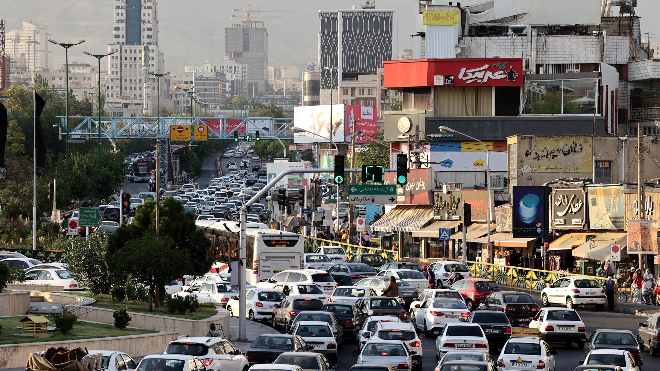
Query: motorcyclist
455, 276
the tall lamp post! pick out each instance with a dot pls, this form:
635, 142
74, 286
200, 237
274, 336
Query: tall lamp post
98, 58
191, 94
66, 47
445, 129
158, 76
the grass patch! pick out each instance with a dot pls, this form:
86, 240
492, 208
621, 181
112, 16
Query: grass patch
81, 330
105, 301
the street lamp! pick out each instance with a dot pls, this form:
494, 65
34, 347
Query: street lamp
445, 129
66, 47
158, 76
98, 58
190, 93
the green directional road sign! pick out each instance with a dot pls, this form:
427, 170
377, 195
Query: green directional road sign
89, 217
389, 190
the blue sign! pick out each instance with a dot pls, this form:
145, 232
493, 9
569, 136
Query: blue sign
307, 211
444, 234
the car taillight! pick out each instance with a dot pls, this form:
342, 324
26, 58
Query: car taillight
540, 366
636, 354
208, 361
582, 329
224, 300
508, 330
575, 291
536, 309
258, 304
404, 315
356, 277
509, 308
481, 346
657, 336
402, 366
430, 285
73, 285
332, 346
465, 314
292, 313
329, 300
549, 328
449, 345
500, 362
249, 357
415, 344
436, 313
349, 325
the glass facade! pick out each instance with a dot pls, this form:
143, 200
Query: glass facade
561, 97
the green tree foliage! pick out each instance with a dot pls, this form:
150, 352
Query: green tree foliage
64, 322
394, 104
551, 102
9, 275
374, 153
122, 319
273, 149
308, 155
271, 110
87, 263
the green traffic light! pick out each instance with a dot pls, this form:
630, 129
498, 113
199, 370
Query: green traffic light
401, 179
339, 179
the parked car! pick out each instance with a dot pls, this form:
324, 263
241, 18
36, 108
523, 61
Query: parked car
475, 290
519, 307
52, 277
23, 263
571, 291
216, 353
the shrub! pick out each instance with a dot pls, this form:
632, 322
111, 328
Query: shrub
191, 304
118, 293
122, 319
181, 305
64, 322
136, 291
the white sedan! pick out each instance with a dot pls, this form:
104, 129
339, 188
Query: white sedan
393, 352
522, 353
560, 325
336, 253
434, 314
350, 294
52, 277
461, 336
615, 357
412, 277
217, 293
317, 261
319, 335
259, 304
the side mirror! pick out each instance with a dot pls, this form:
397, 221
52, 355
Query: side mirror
553, 351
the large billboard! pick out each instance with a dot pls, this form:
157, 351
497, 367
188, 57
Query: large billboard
242, 126
292, 180
556, 154
642, 236
418, 189
606, 207
569, 208
314, 125
366, 123
530, 211
478, 200
468, 161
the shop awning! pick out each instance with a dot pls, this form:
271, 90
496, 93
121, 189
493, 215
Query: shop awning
474, 231
600, 247
433, 230
404, 218
505, 240
570, 241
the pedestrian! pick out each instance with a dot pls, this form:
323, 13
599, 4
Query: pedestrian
637, 283
430, 276
392, 290
212, 333
609, 292
648, 285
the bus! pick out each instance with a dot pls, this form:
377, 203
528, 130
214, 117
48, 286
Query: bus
268, 251
141, 169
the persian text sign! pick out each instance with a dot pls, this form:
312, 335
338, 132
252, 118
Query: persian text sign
556, 154
441, 17
447, 206
568, 208
642, 237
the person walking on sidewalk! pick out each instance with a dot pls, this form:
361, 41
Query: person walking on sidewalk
212, 333
609, 292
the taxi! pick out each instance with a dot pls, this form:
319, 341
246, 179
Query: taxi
526, 350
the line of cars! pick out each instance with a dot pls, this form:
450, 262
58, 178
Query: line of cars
39, 273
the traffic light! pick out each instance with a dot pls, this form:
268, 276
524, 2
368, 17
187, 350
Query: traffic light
281, 198
467, 214
373, 173
339, 169
256, 136
126, 203
235, 136
401, 169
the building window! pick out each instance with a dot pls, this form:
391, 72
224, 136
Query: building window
352, 92
603, 172
561, 97
345, 91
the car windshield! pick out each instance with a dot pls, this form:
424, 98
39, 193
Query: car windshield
307, 304
480, 317
456, 268
361, 268
586, 284
224, 287
529, 349
449, 304
562, 315
463, 331
188, 349
411, 275
340, 310
389, 303
518, 298
388, 349
273, 342
606, 359
314, 331
463, 356
396, 335
372, 258
322, 277
317, 259
305, 362
464, 368
161, 364
271, 296
334, 250
615, 338
309, 289
351, 292
370, 368
63, 274
486, 286
448, 294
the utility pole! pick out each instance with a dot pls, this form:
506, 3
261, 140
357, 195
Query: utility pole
640, 180
351, 215
157, 186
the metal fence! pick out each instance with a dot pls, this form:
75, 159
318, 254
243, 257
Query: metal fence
312, 243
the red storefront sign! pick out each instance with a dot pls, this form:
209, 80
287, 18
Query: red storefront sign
453, 72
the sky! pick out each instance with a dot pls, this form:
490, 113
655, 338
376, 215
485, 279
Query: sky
192, 31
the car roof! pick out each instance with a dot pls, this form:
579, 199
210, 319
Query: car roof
560, 308
487, 311
277, 335
353, 287
198, 339
403, 270
510, 292
311, 354
397, 326
462, 324
524, 339
380, 318
270, 367
310, 271
465, 363
385, 341
314, 312
312, 323
477, 280
612, 330
182, 357
607, 351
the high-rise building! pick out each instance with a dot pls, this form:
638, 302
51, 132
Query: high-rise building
27, 50
247, 43
131, 89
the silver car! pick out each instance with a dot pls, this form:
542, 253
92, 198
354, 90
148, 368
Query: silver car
393, 352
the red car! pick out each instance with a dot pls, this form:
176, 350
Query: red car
475, 290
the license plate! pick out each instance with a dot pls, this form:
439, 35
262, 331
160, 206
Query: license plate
563, 328
491, 331
317, 346
520, 364
463, 345
451, 316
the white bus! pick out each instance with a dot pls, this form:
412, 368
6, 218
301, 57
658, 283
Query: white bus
268, 251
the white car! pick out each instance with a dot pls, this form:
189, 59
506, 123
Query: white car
523, 353
571, 291
207, 278
302, 289
216, 353
317, 261
135, 202
49, 266
467, 356
434, 293
161, 362
319, 335
461, 336
316, 277
444, 269
52, 277
350, 294
616, 357
412, 277
23, 263
217, 293
278, 367
560, 325
393, 352
114, 361
259, 304
336, 253
434, 314
405, 332
370, 325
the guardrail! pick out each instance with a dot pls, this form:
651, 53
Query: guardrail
312, 243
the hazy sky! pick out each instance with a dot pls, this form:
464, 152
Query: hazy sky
192, 31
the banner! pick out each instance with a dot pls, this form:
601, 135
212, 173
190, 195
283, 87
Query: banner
606, 207
478, 199
642, 237
530, 210
569, 209
556, 155
417, 191
441, 17
366, 123
314, 124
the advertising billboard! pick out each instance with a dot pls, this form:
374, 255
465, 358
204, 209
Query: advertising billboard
441, 17
447, 206
569, 209
556, 154
642, 236
478, 200
314, 125
468, 161
366, 123
606, 207
418, 189
292, 180
530, 210
243, 126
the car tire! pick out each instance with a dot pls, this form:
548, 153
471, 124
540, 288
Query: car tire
229, 310
544, 300
600, 307
569, 303
469, 305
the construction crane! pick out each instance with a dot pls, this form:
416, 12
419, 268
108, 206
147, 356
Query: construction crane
248, 18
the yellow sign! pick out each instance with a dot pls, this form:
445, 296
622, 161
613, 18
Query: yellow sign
179, 132
442, 17
524, 331
201, 132
479, 163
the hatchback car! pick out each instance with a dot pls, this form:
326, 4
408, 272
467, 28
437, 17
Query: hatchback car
347, 274
571, 291
260, 304
616, 339
475, 290
288, 309
393, 352
301, 289
519, 307
405, 332
266, 348
216, 353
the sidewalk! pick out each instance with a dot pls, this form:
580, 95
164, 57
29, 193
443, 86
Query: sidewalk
637, 309
253, 330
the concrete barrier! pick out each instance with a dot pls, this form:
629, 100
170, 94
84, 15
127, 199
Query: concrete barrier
16, 355
14, 303
22, 286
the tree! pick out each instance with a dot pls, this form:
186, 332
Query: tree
271, 110
308, 155
87, 263
394, 104
374, 153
